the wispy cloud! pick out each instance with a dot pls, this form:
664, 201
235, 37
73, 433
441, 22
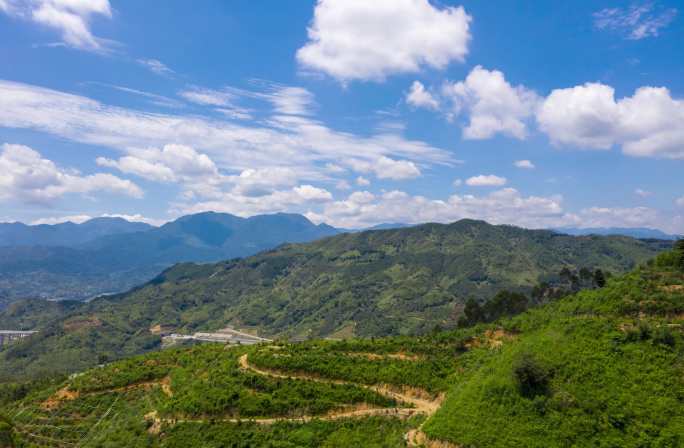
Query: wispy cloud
153, 98
635, 22
70, 18
156, 66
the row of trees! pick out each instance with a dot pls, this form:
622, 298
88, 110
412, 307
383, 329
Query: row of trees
509, 303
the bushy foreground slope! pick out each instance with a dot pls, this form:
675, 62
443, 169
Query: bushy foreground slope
375, 283
599, 368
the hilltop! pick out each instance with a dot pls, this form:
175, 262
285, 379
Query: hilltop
376, 283
602, 367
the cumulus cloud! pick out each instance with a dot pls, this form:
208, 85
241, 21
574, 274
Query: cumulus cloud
621, 217
642, 193
243, 205
680, 202
26, 175
386, 168
492, 104
363, 209
262, 181
457, 183
647, 124
169, 164
418, 96
362, 181
70, 17
361, 40
486, 181
635, 22
524, 164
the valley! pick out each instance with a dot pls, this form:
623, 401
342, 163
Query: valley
407, 281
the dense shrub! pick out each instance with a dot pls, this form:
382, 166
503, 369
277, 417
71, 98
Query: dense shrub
531, 377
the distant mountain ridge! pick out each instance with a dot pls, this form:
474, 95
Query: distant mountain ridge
372, 283
66, 234
634, 232
116, 262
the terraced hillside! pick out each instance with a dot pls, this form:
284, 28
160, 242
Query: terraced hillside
603, 367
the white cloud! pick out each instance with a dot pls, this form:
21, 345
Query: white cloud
153, 98
642, 193
156, 66
342, 185
262, 181
25, 175
680, 201
294, 141
287, 100
493, 105
636, 22
621, 217
292, 100
486, 181
525, 164
169, 164
362, 40
363, 209
223, 101
647, 124
457, 183
243, 205
386, 168
418, 96
70, 17
362, 181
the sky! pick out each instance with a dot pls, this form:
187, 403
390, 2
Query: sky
538, 114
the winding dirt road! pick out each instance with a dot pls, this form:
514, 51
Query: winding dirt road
414, 438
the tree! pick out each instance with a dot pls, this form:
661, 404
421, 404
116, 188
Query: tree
472, 313
599, 278
679, 247
505, 303
531, 376
585, 274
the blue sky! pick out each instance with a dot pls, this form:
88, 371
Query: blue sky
351, 112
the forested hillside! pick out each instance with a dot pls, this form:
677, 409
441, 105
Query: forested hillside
603, 367
376, 283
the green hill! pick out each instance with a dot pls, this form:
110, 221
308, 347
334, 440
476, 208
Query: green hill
375, 283
603, 367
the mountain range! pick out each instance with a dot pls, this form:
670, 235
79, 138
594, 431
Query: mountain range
372, 283
101, 256
634, 232
67, 233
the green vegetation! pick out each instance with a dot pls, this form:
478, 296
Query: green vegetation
602, 367
408, 281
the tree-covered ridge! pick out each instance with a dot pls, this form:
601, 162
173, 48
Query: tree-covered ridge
374, 283
602, 367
